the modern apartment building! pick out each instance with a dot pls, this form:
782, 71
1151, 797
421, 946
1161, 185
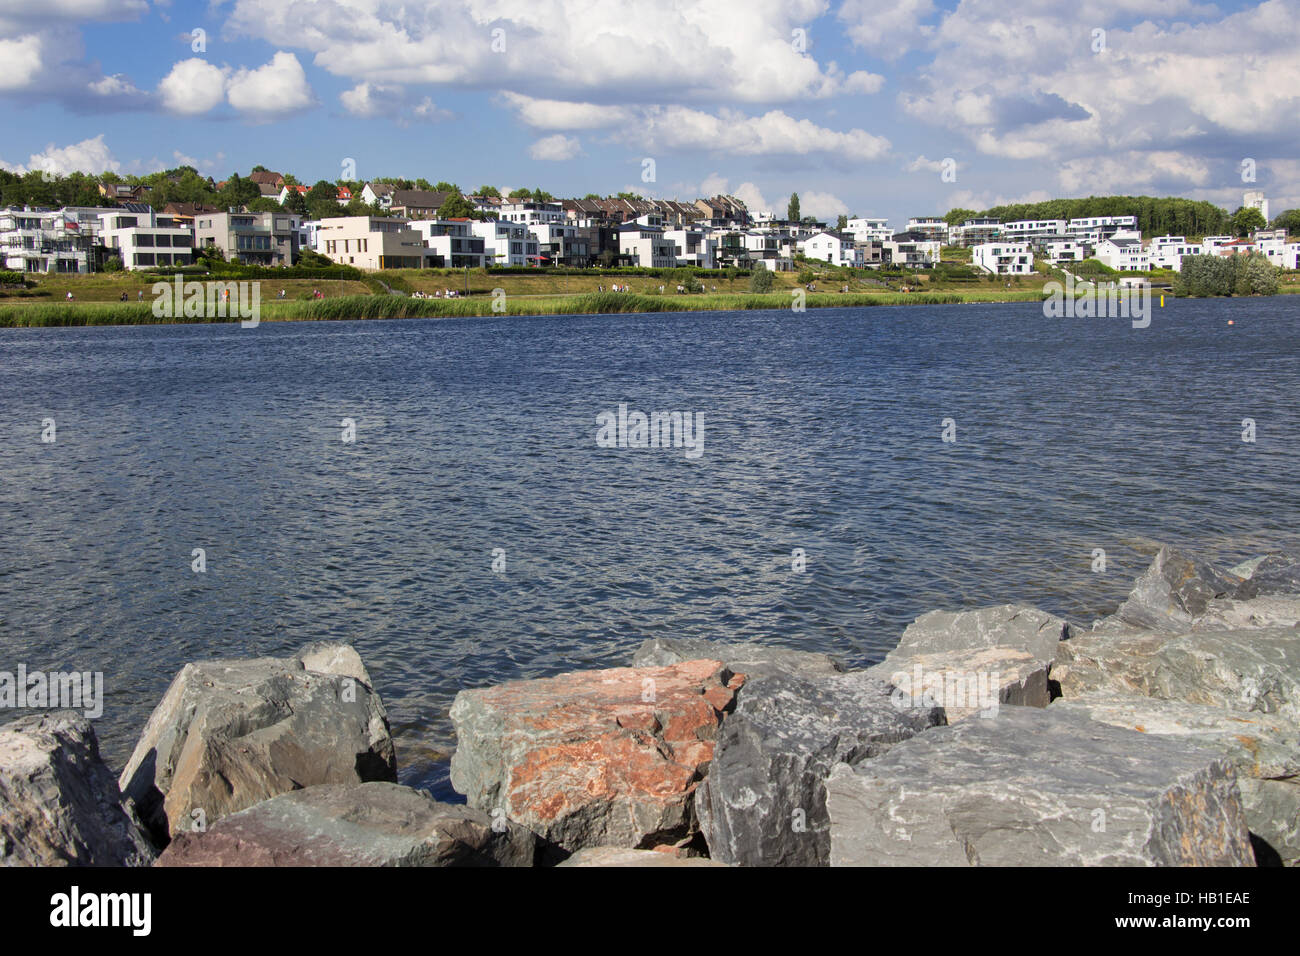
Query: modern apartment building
254, 238
450, 243
506, 243
144, 239
1004, 258
373, 243
43, 240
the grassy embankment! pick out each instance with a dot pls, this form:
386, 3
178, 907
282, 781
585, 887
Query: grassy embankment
97, 298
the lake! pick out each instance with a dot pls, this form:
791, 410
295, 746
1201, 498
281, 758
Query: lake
822, 431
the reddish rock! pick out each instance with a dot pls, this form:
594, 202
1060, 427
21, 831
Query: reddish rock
594, 758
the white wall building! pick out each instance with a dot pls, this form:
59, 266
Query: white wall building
646, 246
43, 240
369, 242
1166, 252
1003, 258
869, 230
530, 212
693, 247
1027, 230
1256, 200
932, 227
1123, 254
507, 243
911, 253
1065, 250
450, 243
832, 247
145, 240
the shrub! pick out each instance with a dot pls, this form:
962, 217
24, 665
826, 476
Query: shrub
760, 281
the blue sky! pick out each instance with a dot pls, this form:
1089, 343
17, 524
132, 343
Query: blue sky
855, 104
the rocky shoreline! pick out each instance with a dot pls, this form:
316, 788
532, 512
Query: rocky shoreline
1167, 734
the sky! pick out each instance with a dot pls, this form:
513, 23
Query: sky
894, 109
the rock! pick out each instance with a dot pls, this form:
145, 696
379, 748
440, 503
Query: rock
1014, 626
1264, 749
622, 856
594, 758
1173, 592
763, 802
229, 734
59, 803
965, 683
1041, 787
752, 660
1274, 574
1254, 670
367, 824
1281, 610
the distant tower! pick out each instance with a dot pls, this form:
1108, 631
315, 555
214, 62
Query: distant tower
1256, 200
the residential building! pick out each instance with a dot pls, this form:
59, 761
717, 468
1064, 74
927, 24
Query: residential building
836, 248
1036, 231
929, 227
1060, 251
1123, 254
375, 242
267, 177
1094, 229
506, 243
417, 203
50, 241
184, 213
869, 230
531, 212
560, 244
1167, 252
694, 247
449, 243
380, 194
1003, 258
125, 192
254, 238
1256, 200
907, 252
646, 246
143, 239
975, 232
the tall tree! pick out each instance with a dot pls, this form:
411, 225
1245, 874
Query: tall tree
792, 209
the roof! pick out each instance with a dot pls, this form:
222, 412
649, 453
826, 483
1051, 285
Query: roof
419, 198
267, 177
382, 189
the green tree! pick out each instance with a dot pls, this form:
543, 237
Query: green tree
264, 204
955, 217
842, 222
1246, 220
792, 208
457, 206
296, 203
760, 280
520, 194
489, 191
1288, 220
446, 187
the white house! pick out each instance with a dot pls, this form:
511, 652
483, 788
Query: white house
693, 247
369, 242
1029, 230
38, 240
561, 243
646, 246
381, 193
1065, 250
1003, 258
506, 243
1123, 254
912, 254
1166, 252
529, 212
451, 243
869, 230
932, 227
145, 239
832, 247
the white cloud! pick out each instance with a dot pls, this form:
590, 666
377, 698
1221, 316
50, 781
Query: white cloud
192, 87
22, 61
560, 114
773, 133
88, 156
1134, 172
821, 205
921, 164
370, 100
887, 28
117, 85
275, 89
690, 50
557, 147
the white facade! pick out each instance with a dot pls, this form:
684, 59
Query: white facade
647, 247
931, 227
1256, 200
912, 254
1023, 230
1065, 250
368, 242
529, 212
869, 230
693, 247
41, 240
1166, 252
1003, 258
145, 240
1123, 255
506, 243
829, 247
451, 243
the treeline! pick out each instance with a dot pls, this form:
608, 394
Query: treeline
1156, 216
1251, 274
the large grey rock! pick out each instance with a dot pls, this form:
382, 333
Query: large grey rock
763, 802
229, 734
1275, 610
1277, 573
59, 803
624, 857
1038, 787
1171, 594
1014, 626
1264, 749
753, 660
1256, 670
368, 824
970, 682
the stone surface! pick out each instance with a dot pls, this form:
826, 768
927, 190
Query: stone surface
763, 802
753, 660
59, 803
622, 856
1039, 787
1274, 574
594, 758
1264, 749
1172, 593
1280, 610
970, 682
1254, 670
229, 734
368, 824
1014, 626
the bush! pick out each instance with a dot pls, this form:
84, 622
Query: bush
113, 264
760, 281
806, 276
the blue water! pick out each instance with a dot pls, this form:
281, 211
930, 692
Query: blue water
822, 432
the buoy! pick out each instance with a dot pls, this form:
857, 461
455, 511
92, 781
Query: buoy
1230, 321
1162, 300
